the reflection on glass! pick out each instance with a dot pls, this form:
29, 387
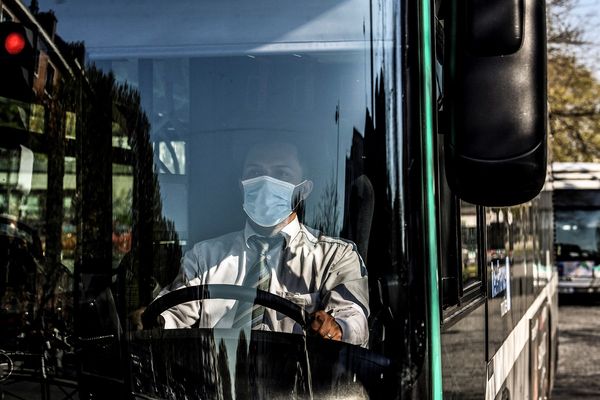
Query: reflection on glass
468, 233
578, 243
171, 157
37, 118
69, 230
38, 217
122, 219
578, 233
500, 255
70, 125
16, 114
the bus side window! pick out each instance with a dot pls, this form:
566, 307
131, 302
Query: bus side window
462, 272
470, 270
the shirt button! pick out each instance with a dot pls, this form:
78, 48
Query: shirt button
268, 257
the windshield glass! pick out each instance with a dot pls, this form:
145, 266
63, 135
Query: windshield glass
202, 196
578, 234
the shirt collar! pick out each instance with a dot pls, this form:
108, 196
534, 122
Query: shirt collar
288, 232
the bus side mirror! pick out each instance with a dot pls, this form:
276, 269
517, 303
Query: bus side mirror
495, 77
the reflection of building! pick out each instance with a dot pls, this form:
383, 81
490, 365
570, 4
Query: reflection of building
50, 64
25, 195
37, 187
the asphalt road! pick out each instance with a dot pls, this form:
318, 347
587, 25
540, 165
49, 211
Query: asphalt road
578, 375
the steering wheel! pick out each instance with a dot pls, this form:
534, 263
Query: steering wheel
221, 291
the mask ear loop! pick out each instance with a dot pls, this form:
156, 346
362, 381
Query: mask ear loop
298, 196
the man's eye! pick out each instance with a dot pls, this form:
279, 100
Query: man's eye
284, 175
252, 174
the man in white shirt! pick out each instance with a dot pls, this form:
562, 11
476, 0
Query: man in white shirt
276, 253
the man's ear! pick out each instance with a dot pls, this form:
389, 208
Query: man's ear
306, 189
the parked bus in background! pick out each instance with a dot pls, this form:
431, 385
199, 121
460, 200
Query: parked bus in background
577, 226
366, 179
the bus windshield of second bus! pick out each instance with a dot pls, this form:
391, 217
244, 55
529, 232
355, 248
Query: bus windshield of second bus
577, 226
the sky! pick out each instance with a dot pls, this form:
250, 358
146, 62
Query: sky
586, 13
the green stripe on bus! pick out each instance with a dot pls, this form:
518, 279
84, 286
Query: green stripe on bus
435, 351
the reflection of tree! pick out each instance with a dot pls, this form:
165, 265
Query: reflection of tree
326, 216
183, 366
223, 368
106, 105
359, 197
388, 246
62, 99
122, 207
185, 369
155, 254
242, 386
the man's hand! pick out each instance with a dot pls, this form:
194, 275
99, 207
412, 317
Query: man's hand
136, 318
325, 326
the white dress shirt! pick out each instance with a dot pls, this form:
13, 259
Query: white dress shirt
314, 271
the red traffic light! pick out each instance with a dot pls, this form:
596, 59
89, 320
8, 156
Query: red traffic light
14, 43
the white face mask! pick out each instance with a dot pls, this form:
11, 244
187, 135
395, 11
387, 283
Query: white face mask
268, 201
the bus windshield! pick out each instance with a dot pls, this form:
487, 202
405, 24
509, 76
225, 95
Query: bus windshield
578, 233
212, 194
577, 225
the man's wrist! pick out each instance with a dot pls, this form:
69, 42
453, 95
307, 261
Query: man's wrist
343, 327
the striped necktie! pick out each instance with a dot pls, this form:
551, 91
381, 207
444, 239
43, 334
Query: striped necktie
257, 276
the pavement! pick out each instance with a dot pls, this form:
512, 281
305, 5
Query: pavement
578, 375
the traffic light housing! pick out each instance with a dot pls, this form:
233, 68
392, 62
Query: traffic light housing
18, 60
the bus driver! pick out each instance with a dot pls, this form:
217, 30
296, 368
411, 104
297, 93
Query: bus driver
276, 253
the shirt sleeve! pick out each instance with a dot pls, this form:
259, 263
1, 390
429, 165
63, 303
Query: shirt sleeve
345, 294
186, 314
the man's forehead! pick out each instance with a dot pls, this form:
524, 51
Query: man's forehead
273, 154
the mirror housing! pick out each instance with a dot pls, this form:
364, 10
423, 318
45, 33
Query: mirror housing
496, 100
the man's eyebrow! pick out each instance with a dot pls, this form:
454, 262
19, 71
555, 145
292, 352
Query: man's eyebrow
288, 166
261, 165
252, 165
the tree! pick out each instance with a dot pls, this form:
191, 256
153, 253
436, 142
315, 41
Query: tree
573, 91
574, 99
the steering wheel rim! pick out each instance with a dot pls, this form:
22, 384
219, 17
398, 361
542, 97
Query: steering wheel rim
222, 291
